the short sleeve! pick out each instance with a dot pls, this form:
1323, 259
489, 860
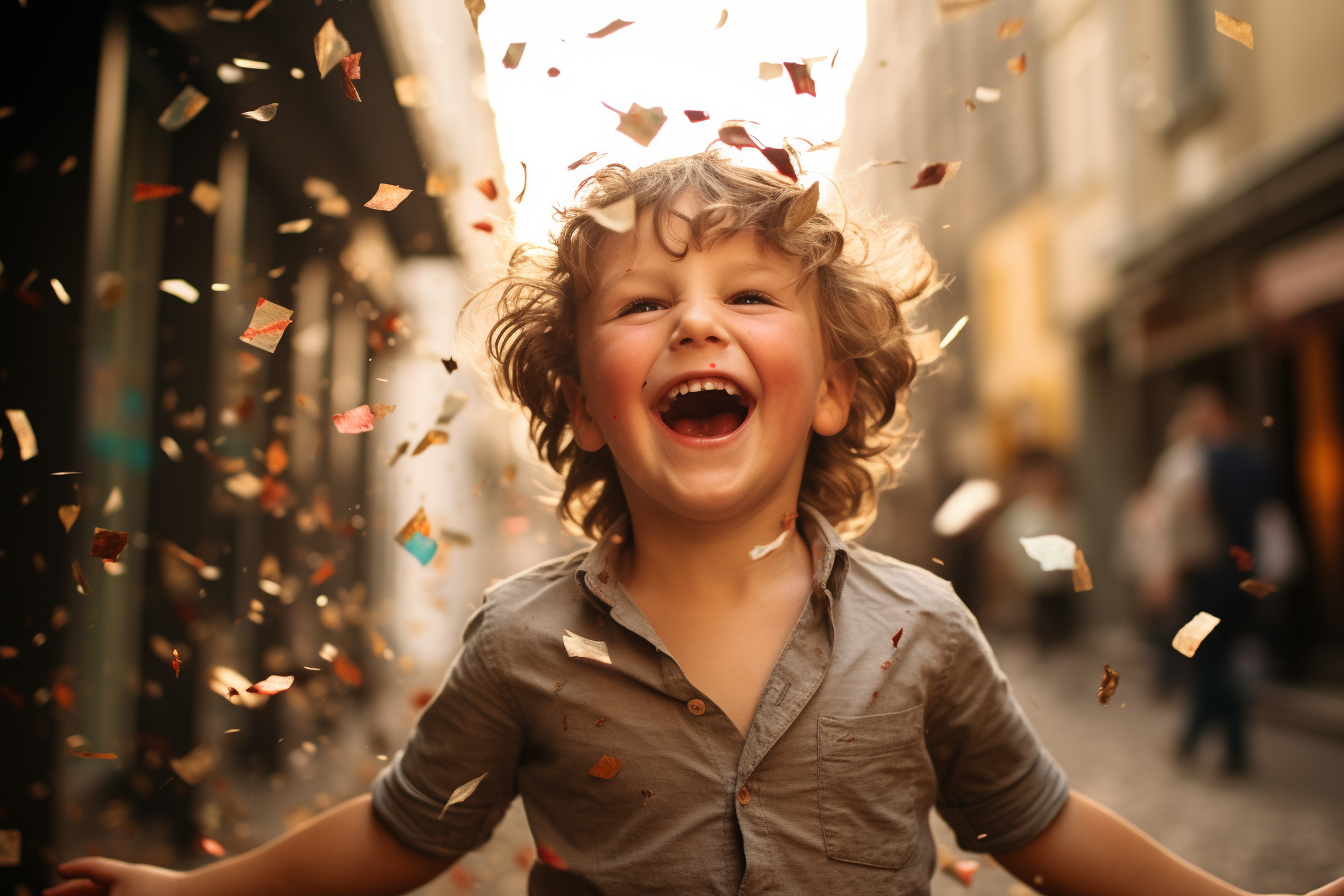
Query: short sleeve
998, 788
470, 730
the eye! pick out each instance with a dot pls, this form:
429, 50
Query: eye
640, 306
751, 298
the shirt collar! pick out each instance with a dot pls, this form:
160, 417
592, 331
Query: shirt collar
596, 575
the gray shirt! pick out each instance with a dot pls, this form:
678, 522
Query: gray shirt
853, 742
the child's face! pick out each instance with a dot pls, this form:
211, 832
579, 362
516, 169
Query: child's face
731, 334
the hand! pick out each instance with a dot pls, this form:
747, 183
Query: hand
93, 876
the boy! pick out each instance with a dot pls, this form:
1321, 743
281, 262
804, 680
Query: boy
722, 695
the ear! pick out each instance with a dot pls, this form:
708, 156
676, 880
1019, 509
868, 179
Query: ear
587, 435
835, 396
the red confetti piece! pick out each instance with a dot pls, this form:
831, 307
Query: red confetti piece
487, 187
145, 192
213, 847
552, 72
1245, 560
322, 573
388, 197
606, 768
801, 76
695, 115
347, 671
108, 544
934, 173
896, 639
780, 159
358, 419
586, 160
177, 664
549, 856
484, 226
274, 684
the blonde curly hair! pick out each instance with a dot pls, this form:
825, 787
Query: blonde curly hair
867, 277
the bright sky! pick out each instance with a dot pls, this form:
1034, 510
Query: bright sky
672, 57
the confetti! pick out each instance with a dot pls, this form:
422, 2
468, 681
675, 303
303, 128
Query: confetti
462, 793
474, 9
115, 501
972, 499
68, 513
213, 847
1236, 29
878, 163
269, 321
769, 71
549, 856
801, 75
487, 187
263, 113
184, 107
382, 410
59, 288
433, 437
206, 196
388, 197
177, 664
552, 72
347, 671
330, 47
606, 768
415, 538
761, 550
413, 91
963, 870
484, 226
952, 333
896, 638
619, 217
193, 767
453, 403
255, 9
23, 431
1082, 573
146, 192
582, 648
1110, 679
81, 754
181, 289
1257, 588
274, 684
350, 74
1018, 64
988, 94
640, 124
614, 26
802, 208
111, 289
523, 191
952, 10
514, 55
244, 485
300, 225
587, 160
252, 64
359, 419
1011, 28
1051, 551
401, 449
1244, 559
934, 173
780, 159
1193, 633
695, 116
108, 544
81, 583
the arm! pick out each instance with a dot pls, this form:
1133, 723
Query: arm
345, 850
1090, 851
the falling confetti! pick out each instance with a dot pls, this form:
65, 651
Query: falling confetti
614, 26
586, 160
274, 684
263, 113
59, 288
769, 71
1193, 633
382, 410
952, 10
1011, 28
1236, 29
619, 217
350, 74
971, 500
111, 289
1110, 679
934, 173
484, 226
244, 485
461, 794
801, 75
177, 664
988, 94
878, 163
68, 513
330, 47
108, 544
193, 767
487, 187
23, 431
1082, 573
413, 91
952, 333
115, 501
81, 754
523, 191
802, 208
1051, 551
896, 638
269, 321
388, 197
146, 192
206, 196
359, 419
606, 768
449, 365
184, 107
81, 583
640, 124
433, 437
213, 847
695, 116
1018, 64
582, 648
1257, 588
300, 225
453, 403
514, 55
474, 9
415, 538
181, 289
723, 18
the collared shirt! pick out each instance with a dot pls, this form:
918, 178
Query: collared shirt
854, 740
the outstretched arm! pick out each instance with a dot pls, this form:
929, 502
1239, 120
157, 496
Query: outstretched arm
1088, 850
345, 850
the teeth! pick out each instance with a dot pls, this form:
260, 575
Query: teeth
708, 385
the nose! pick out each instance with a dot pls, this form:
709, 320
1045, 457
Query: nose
697, 324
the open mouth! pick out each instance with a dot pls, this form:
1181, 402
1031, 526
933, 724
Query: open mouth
706, 408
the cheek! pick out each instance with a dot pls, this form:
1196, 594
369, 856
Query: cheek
614, 370
789, 363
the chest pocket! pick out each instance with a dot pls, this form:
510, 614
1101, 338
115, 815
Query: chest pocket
870, 771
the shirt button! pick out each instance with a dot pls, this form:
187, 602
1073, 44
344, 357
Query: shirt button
696, 706
743, 795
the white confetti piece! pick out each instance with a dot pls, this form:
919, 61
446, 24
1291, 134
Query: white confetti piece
578, 646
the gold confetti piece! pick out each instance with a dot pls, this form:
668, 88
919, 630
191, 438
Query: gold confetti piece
184, 107
1236, 29
971, 500
382, 410
514, 55
23, 431
67, 165
180, 288
582, 648
401, 449
1193, 633
878, 163
1011, 28
614, 26
413, 91
193, 767
114, 501
269, 321
1254, 587
433, 437
82, 754
769, 71
523, 191
255, 9
108, 544
619, 217
935, 173
988, 94
1018, 64
251, 63
388, 197
244, 485
1082, 573
263, 113
802, 208
462, 793
453, 403
1110, 680
474, 9
298, 226
952, 333
206, 196
330, 47
68, 514
606, 768
723, 18
640, 124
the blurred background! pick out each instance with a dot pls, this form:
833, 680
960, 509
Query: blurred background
1145, 238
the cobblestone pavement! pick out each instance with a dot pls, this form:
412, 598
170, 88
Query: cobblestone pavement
1279, 829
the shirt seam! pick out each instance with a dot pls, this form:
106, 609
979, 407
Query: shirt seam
487, 652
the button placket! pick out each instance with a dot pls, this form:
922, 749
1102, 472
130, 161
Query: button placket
743, 795
696, 706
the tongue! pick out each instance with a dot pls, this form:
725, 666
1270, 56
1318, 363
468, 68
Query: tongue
707, 427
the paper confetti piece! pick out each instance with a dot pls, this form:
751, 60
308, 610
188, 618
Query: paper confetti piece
606, 768
614, 26
81, 754
761, 550
896, 638
952, 333
963, 870
81, 583
878, 163
801, 75
209, 844
108, 544
177, 664
582, 648
1236, 29
269, 321
935, 173
206, 196
1193, 633
1018, 64
181, 289
474, 9
1082, 573
640, 124
952, 10
413, 92
433, 437
695, 115
1051, 551
350, 74
971, 500
514, 55
388, 197
68, 513
1011, 28
461, 794
619, 217
396, 455
1110, 680
586, 160
23, 431
274, 684
769, 71
111, 289
330, 47
300, 225
359, 419
146, 192
415, 538
193, 767
185, 106
723, 18
59, 288
1257, 588
453, 403
380, 411
802, 208
988, 94
487, 187
263, 113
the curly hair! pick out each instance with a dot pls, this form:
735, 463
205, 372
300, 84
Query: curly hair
867, 275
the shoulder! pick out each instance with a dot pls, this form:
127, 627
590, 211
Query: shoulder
537, 599
879, 581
